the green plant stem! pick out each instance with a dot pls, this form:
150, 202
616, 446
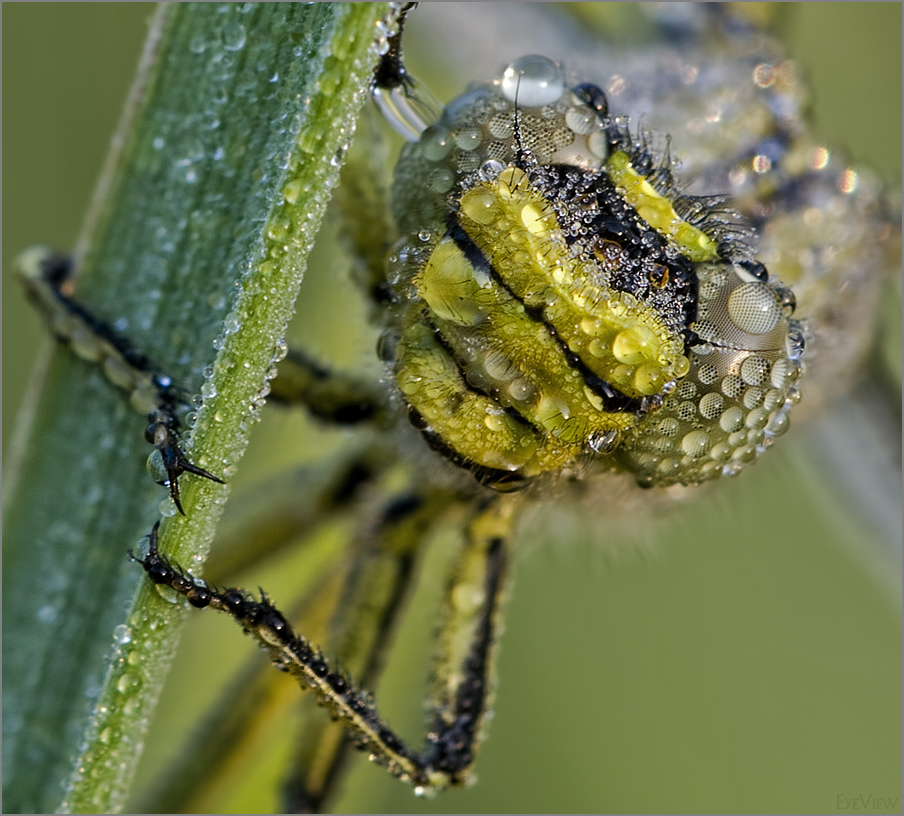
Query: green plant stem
207, 209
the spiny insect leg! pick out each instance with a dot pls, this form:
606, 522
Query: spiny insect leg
462, 666
293, 653
349, 605
367, 605
47, 277
462, 677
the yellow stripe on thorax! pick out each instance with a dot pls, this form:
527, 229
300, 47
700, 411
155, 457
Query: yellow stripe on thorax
657, 210
514, 332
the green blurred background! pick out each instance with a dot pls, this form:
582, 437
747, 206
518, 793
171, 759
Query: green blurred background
746, 659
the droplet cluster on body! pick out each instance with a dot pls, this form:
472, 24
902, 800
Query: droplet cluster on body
559, 304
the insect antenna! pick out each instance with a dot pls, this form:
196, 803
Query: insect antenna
523, 159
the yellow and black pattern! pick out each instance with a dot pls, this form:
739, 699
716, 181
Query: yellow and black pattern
558, 301
521, 359
554, 304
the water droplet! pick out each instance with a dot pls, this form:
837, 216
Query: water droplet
47, 614
754, 308
122, 634
533, 81
234, 36
490, 169
280, 351
168, 594
155, 467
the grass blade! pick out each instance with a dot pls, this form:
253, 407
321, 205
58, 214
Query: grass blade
197, 241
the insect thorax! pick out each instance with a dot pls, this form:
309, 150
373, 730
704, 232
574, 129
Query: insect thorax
558, 302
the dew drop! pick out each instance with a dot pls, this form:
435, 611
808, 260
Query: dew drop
234, 36
533, 81
122, 634
47, 614
155, 467
754, 308
490, 169
168, 594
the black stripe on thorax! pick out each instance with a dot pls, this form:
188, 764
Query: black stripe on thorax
470, 387
497, 478
614, 401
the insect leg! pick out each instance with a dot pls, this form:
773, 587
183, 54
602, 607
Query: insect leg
47, 279
293, 653
336, 397
462, 668
373, 595
408, 107
276, 512
462, 677
351, 609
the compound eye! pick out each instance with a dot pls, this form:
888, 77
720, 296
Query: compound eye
533, 81
754, 308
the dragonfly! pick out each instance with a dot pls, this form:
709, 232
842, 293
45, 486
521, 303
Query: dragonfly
563, 624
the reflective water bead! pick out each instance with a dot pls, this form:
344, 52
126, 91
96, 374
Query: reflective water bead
533, 81
754, 308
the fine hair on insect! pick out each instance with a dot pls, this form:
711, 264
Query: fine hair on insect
578, 312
